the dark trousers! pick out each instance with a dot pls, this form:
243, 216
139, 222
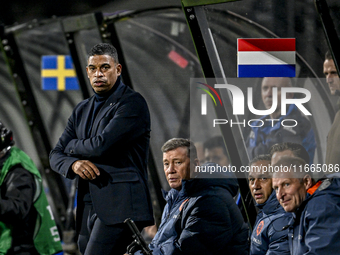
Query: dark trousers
96, 238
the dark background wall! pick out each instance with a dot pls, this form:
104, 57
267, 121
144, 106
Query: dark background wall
21, 11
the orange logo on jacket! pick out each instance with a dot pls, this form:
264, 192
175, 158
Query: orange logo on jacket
181, 207
259, 228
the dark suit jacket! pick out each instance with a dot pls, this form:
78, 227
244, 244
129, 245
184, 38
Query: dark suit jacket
118, 146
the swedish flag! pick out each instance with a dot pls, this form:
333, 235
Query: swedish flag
57, 73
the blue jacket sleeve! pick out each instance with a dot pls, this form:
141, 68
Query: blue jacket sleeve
59, 160
322, 228
206, 226
278, 238
279, 246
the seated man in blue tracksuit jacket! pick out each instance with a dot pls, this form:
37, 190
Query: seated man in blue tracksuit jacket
315, 226
201, 216
269, 130
269, 236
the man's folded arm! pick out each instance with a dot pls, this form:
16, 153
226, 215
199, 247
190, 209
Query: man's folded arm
130, 121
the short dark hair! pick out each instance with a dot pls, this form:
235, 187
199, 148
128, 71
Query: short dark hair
263, 157
104, 49
216, 141
297, 149
175, 143
328, 55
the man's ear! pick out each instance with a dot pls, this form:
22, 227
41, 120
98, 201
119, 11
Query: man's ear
87, 72
307, 181
119, 69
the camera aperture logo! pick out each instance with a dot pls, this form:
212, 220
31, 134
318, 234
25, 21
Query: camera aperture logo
238, 104
204, 97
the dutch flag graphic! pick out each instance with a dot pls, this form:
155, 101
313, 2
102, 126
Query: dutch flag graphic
274, 57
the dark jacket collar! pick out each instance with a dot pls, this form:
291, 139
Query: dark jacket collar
192, 186
113, 95
112, 99
271, 205
118, 91
308, 197
102, 97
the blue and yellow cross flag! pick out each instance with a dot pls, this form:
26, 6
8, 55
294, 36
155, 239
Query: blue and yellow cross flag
57, 73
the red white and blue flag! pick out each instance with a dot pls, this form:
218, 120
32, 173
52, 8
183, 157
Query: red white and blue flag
274, 57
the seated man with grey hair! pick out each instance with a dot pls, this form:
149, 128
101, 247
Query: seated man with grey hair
201, 216
315, 227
